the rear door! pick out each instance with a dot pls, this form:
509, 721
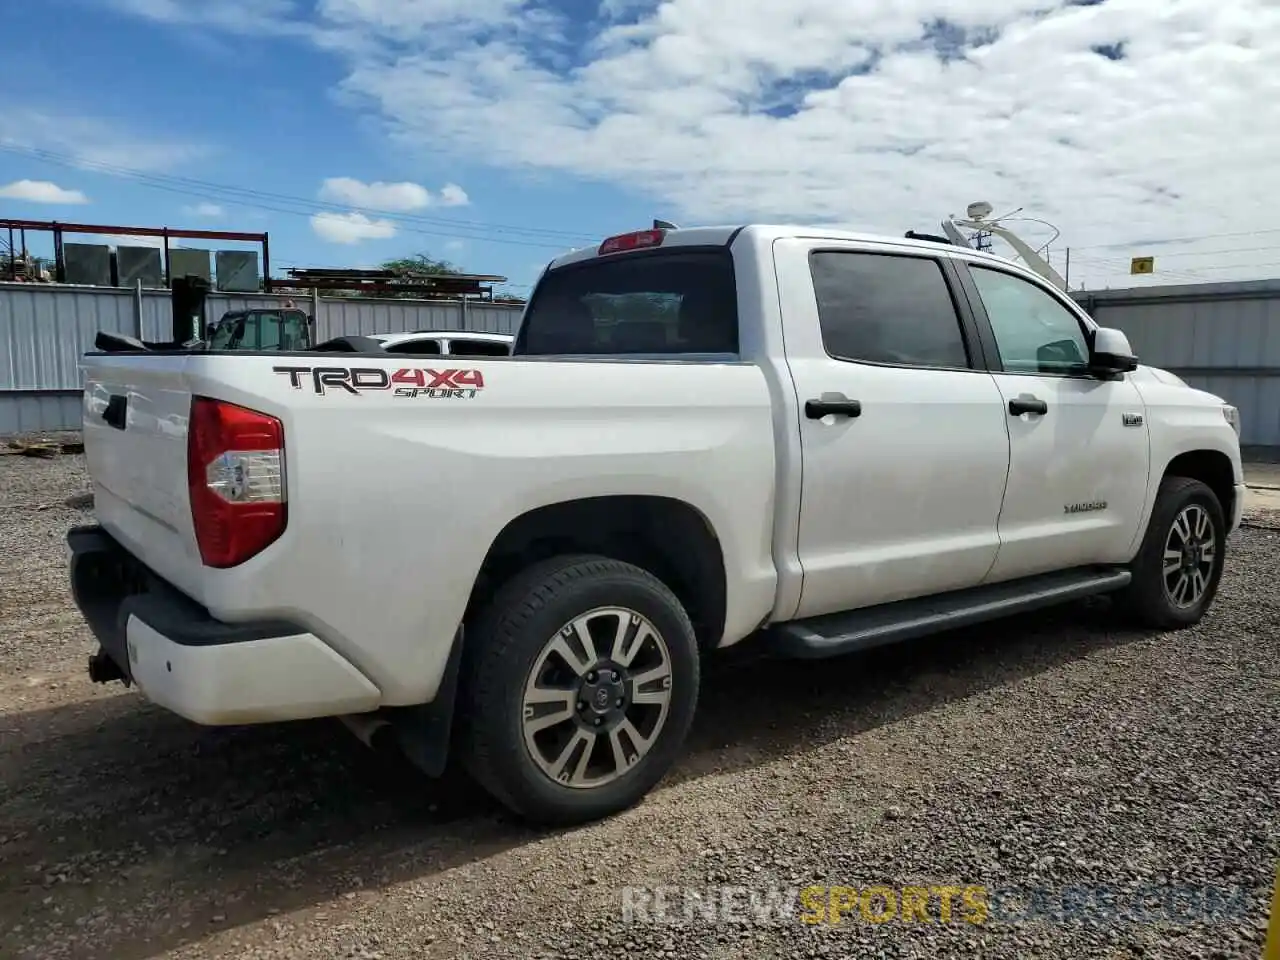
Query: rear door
903, 436
1079, 451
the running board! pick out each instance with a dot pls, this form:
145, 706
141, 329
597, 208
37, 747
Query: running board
853, 630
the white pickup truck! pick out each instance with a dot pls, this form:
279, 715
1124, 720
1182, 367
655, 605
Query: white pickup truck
818, 440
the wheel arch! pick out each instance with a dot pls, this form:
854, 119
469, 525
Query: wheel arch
1213, 468
670, 538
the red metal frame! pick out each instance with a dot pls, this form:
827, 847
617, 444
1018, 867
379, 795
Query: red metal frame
58, 228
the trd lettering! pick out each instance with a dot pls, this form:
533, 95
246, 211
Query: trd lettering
408, 382
323, 377
369, 378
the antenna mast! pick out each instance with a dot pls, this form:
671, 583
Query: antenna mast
976, 219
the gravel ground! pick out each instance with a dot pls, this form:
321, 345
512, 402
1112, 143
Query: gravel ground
1044, 753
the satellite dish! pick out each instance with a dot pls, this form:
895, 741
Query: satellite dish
976, 211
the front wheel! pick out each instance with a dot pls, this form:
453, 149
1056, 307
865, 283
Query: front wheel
580, 685
1177, 569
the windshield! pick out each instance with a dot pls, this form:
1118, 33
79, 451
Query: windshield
226, 333
261, 330
662, 302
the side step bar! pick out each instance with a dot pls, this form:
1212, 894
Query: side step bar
839, 633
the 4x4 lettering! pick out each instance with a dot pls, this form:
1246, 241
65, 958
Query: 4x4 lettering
456, 378
412, 378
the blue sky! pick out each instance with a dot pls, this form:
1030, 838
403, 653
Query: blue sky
261, 113
1136, 127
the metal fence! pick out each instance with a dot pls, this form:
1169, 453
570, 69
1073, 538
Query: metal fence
1220, 337
46, 328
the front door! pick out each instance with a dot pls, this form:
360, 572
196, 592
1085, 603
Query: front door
903, 442
1078, 445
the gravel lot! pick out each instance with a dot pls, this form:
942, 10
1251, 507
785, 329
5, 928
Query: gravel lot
1047, 752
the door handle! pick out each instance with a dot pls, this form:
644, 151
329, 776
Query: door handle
1020, 405
116, 412
840, 406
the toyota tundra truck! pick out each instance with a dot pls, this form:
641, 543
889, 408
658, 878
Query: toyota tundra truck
814, 440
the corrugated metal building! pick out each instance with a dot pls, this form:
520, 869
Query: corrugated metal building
46, 328
1220, 337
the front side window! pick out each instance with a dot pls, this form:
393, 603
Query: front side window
1034, 332
887, 308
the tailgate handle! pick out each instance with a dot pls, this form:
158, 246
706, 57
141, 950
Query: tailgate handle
117, 410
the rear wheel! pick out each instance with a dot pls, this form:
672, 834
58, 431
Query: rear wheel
1177, 569
581, 683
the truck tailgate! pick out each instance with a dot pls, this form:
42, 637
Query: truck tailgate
135, 435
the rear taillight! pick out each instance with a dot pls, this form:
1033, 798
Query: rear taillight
639, 240
235, 473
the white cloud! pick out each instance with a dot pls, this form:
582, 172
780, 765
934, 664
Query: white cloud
397, 197
1122, 121
41, 191
351, 227
452, 195
205, 209
400, 197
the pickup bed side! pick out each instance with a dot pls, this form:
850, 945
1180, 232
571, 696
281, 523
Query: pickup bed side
394, 501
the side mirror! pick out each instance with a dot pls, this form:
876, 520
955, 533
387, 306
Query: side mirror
1111, 352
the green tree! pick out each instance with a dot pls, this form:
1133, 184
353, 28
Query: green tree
420, 263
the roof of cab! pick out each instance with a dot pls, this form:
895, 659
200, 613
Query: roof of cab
763, 233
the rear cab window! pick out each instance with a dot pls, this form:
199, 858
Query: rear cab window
668, 301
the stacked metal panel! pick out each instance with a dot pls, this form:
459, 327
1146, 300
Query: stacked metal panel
237, 270
87, 263
187, 262
139, 263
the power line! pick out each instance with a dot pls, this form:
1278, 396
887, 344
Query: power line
265, 200
1145, 242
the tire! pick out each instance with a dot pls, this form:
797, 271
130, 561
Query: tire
525, 642
1149, 599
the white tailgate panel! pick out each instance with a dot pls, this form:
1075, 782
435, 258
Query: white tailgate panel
140, 473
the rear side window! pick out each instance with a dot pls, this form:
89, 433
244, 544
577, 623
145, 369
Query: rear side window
668, 302
478, 348
429, 347
883, 308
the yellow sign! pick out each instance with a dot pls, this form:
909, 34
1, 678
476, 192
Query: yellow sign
1142, 265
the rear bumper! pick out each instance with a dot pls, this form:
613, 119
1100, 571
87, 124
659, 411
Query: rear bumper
208, 671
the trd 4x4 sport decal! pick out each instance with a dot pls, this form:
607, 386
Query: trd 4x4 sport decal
407, 382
